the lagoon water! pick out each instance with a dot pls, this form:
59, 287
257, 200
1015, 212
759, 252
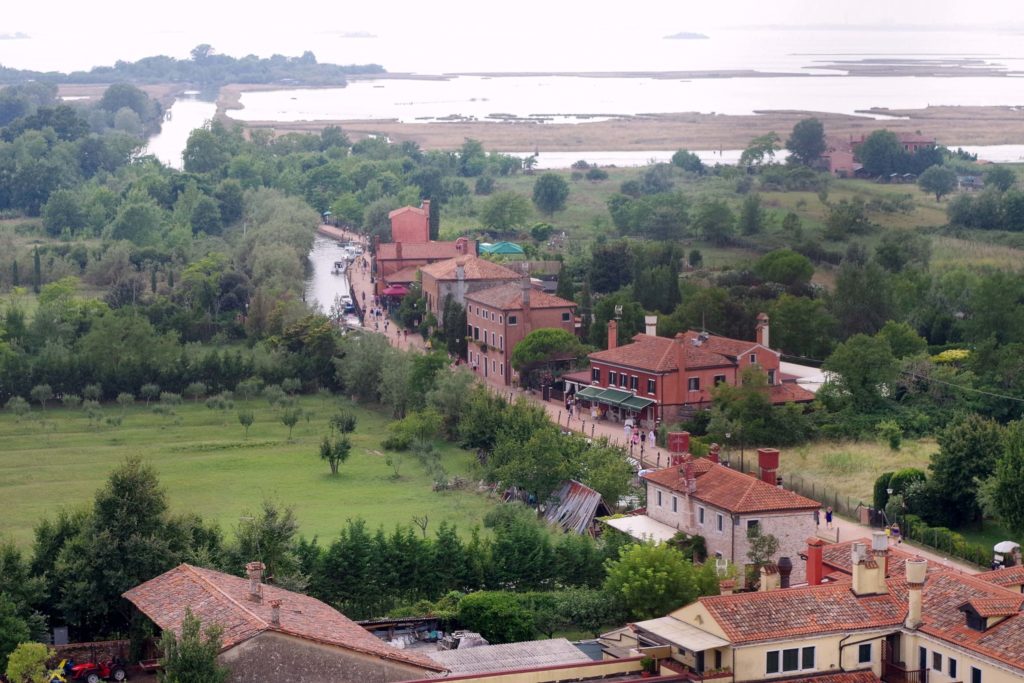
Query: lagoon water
184, 116
323, 286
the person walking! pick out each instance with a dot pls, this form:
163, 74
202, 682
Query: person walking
828, 517
651, 439
897, 536
817, 518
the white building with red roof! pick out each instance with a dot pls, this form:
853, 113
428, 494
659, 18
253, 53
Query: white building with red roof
271, 634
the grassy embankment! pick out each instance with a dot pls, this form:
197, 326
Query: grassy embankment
206, 466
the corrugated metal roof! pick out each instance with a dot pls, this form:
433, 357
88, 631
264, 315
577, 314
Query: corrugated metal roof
574, 506
643, 528
680, 633
526, 655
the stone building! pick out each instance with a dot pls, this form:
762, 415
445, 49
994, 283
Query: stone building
272, 634
461, 276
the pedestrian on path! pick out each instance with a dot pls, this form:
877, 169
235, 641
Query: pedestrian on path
828, 517
817, 517
896, 533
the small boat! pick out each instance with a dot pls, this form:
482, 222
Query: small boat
339, 267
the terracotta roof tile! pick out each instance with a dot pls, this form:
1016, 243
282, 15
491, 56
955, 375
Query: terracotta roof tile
865, 676
407, 209
476, 268
838, 556
417, 250
218, 598
510, 298
403, 276
645, 352
1007, 576
995, 607
733, 491
790, 392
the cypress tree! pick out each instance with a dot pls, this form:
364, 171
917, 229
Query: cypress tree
15, 279
434, 220
37, 271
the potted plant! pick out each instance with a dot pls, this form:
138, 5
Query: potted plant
648, 666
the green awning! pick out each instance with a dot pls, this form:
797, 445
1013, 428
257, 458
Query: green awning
613, 397
637, 403
589, 393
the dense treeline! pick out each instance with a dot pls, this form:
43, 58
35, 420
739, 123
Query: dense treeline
205, 68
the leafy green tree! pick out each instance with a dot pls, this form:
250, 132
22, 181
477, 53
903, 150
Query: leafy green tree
785, 267
542, 346
63, 212
41, 393
688, 161
802, 327
863, 367
761, 149
969, 449
903, 340
360, 369
752, 217
521, 554
192, 656
1000, 177
806, 143
14, 628
537, 465
268, 535
846, 218
450, 396
204, 152
289, 418
881, 153
195, 390
1008, 480
505, 211
498, 616
647, 580
550, 191
246, 418
862, 301
761, 549
27, 663
938, 180
395, 381
335, 452
716, 222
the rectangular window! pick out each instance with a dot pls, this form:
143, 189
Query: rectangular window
595, 375
613, 378
634, 382
501, 369
675, 504
807, 658
469, 330
651, 386
501, 319
922, 658
791, 659
659, 498
720, 522
719, 379
771, 377
700, 516
753, 358
864, 653
693, 384
476, 332
975, 675
752, 524
492, 339
937, 661
566, 317
772, 666
623, 379
501, 342
951, 667
512, 320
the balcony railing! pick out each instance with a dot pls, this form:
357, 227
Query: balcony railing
894, 673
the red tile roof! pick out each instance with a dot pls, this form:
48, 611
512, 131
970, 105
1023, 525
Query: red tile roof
510, 298
839, 557
417, 251
645, 352
476, 268
813, 610
407, 209
1007, 576
648, 352
218, 598
995, 607
865, 676
403, 276
730, 490
790, 392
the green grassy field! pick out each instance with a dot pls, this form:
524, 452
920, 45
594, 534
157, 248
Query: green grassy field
207, 467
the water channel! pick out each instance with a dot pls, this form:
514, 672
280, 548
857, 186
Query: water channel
323, 285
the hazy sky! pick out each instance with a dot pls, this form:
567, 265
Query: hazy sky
524, 15
462, 34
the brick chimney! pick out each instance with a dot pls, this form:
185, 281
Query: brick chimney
713, 452
275, 612
462, 245
815, 566
768, 465
527, 286
398, 251
425, 205
916, 570
651, 325
255, 572
762, 329
460, 281
726, 586
613, 334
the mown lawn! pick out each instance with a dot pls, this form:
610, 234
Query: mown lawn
207, 467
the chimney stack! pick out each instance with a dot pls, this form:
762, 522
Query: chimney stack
880, 553
815, 568
768, 464
613, 334
255, 572
769, 577
651, 324
785, 569
726, 586
713, 451
275, 612
527, 286
916, 570
762, 329
691, 476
